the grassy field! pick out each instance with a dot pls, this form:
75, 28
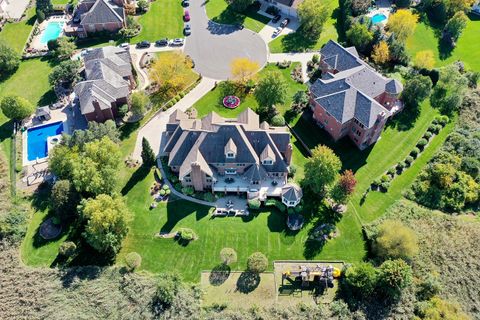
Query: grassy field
468, 46
163, 20
296, 42
218, 11
16, 34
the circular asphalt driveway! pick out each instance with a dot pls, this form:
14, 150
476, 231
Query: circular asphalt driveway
213, 46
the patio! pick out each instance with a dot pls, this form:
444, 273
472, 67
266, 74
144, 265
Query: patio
38, 44
234, 183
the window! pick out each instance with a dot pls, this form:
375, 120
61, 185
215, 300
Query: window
230, 155
267, 162
292, 203
188, 180
209, 179
230, 171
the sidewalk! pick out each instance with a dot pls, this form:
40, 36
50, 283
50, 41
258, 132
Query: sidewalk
154, 128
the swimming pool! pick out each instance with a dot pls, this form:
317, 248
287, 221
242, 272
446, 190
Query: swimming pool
379, 17
52, 31
37, 147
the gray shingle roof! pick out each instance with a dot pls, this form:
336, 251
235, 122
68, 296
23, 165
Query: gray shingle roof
343, 59
291, 192
103, 11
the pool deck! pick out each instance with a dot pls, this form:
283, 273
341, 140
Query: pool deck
383, 7
36, 42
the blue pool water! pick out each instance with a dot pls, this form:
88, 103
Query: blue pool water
37, 139
51, 32
379, 17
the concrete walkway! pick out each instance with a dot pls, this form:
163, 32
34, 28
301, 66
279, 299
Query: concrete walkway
154, 129
302, 57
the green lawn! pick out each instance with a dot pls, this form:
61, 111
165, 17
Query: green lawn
467, 50
296, 42
16, 34
218, 11
164, 19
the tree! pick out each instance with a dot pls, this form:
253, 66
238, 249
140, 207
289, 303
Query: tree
64, 199
362, 278
171, 72
403, 3
313, 15
449, 90
321, 169
168, 286
381, 53
271, 89
438, 308
360, 7
257, 262
359, 36
398, 53
278, 121
456, 25
417, 89
143, 5
9, 60
65, 72
138, 102
395, 240
44, 6
64, 48
16, 108
61, 160
148, 157
402, 23
243, 69
240, 5
95, 131
106, 225
228, 256
424, 60
132, 261
394, 276
347, 181
67, 249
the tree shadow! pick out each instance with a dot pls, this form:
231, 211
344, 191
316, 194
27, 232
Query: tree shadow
339, 23
248, 281
177, 210
127, 129
219, 274
405, 120
297, 42
71, 275
47, 98
276, 221
40, 199
444, 48
139, 175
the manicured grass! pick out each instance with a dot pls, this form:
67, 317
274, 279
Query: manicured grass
468, 46
297, 42
16, 34
218, 11
30, 81
163, 20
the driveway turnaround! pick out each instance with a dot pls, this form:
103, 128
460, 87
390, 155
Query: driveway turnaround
213, 46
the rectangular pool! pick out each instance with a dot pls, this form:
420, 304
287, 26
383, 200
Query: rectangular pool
52, 31
37, 139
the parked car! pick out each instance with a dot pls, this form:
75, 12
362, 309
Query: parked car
187, 30
143, 44
277, 31
162, 42
125, 45
177, 42
284, 22
239, 26
276, 18
185, 3
186, 16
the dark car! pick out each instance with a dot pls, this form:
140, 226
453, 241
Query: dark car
276, 18
185, 3
187, 30
239, 26
161, 42
284, 22
143, 44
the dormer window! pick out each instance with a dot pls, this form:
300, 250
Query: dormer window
230, 149
267, 162
230, 155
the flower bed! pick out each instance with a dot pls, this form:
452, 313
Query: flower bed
231, 102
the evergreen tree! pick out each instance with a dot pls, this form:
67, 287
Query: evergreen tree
148, 157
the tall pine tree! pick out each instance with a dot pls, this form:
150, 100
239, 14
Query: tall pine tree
148, 157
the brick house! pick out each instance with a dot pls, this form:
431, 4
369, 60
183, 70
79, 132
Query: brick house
108, 82
352, 99
238, 155
92, 16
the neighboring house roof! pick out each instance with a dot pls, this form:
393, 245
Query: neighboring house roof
350, 92
105, 70
212, 136
291, 192
103, 11
290, 3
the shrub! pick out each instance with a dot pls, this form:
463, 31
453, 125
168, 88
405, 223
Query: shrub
438, 127
422, 143
254, 204
67, 249
361, 278
257, 262
443, 120
385, 185
415, 152
385, 178
182, 94
315, 58
186, 234
278, 121
178, 97
395, 240
299, 208
209, 197
167, 288
377, 182
401, 165
170, 104
429, 287
162, 192
409, 160
122, 111
427, 135
228, 256
132, 261
394, 276
392, 171
280, 206
188, 191
431, 128
167, 192
292, 169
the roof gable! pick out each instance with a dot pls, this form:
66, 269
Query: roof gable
102, 12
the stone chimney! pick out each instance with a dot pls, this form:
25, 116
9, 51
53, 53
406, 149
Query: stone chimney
197, 177
288, 154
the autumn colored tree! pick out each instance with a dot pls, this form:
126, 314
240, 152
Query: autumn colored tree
424, 60
381, 53
243, 69
171, 72
344, 187
402, 23
395, 241
321, 169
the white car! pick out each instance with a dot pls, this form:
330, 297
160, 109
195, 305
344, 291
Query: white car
125, 45
177, 42
277, 31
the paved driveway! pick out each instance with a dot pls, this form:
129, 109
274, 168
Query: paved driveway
213, 46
